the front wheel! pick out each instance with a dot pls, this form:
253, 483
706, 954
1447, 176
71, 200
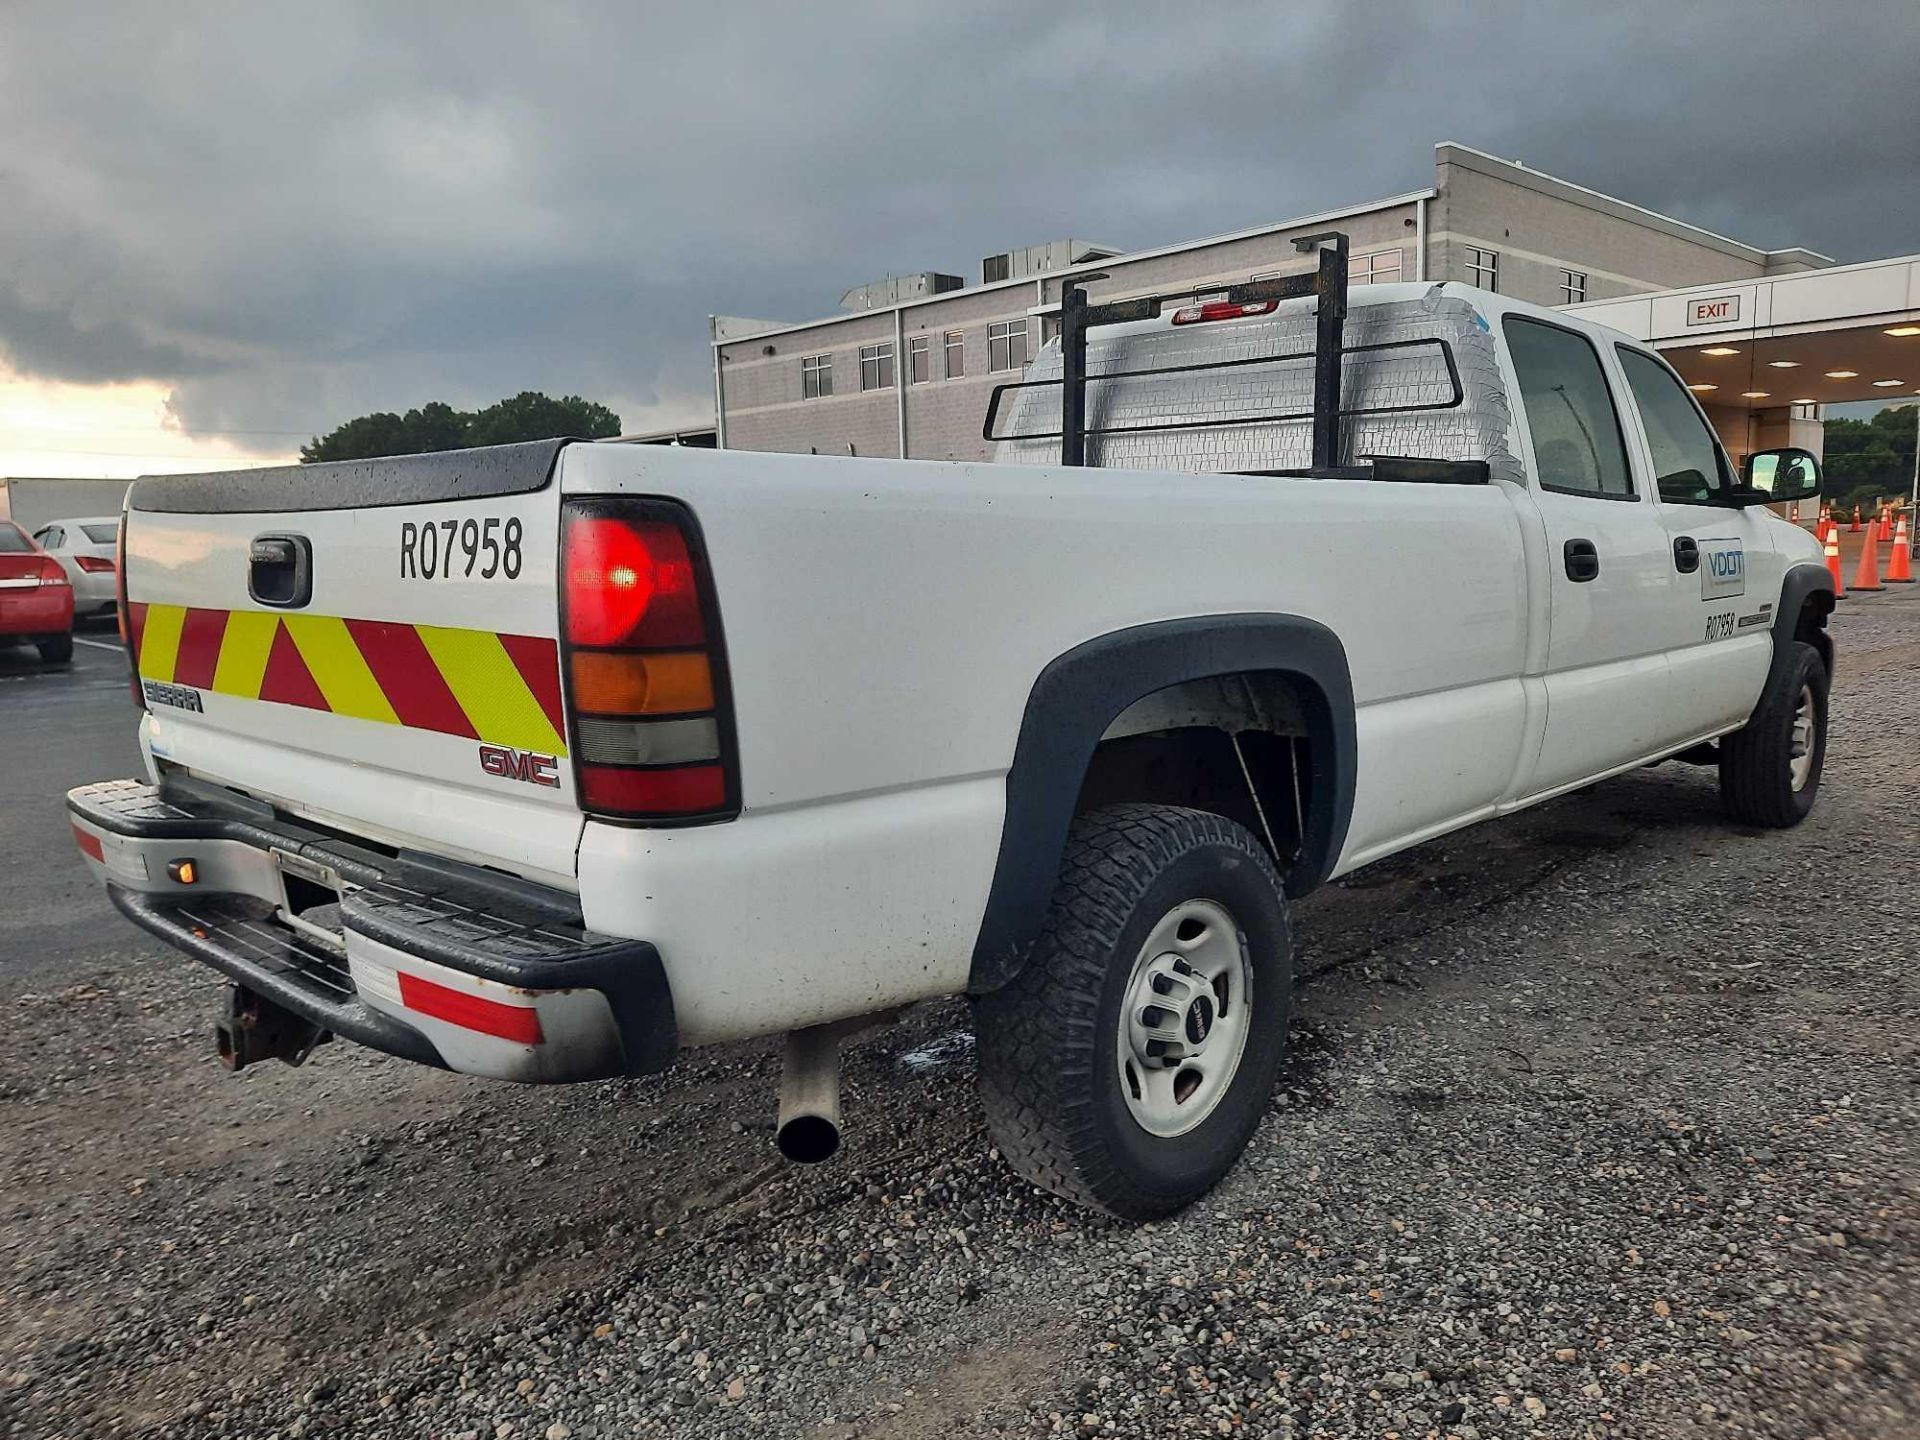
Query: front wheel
1770, 770
1128, 1063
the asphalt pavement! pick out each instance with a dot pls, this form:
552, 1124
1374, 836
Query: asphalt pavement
62, 726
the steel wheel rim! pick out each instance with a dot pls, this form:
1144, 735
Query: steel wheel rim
1184, 1018
1800, 741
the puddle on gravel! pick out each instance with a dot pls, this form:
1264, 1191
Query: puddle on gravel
943, 1052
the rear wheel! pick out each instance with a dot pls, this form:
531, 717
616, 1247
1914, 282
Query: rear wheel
55, 649
1770, 770
1128, 1063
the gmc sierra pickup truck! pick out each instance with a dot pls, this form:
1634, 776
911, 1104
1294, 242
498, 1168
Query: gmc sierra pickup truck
543, 762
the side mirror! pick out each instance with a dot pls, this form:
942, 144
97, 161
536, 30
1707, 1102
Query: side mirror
1776, 476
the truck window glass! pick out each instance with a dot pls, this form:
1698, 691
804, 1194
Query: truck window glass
1686, 461
1577, 445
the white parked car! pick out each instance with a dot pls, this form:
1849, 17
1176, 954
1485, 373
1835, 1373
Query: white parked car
545, 761
85, 550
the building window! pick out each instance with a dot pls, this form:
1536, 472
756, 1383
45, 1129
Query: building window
876, 367
919, 359
1007, 345
816, 376
995, 268
1573, 286
1380, 268
1483, 268
956, 348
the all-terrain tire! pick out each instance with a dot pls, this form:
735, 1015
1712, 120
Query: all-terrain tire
1758, 772
1049, 1042
55, 649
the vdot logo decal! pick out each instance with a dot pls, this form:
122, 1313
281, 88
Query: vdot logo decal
1723, 569
511, 764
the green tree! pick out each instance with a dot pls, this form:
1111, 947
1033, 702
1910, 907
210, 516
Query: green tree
533, 416
438, 426
1868, 459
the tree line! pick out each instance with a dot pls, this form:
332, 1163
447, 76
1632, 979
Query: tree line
1868, 460
438, 426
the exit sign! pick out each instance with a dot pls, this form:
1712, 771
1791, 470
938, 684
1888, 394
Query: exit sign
1714, 310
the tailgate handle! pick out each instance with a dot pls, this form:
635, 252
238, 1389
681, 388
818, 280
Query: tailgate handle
280, 570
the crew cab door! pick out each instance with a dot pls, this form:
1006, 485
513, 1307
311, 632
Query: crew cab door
1607, 557
1725, 573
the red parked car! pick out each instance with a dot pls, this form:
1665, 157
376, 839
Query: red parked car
36, 602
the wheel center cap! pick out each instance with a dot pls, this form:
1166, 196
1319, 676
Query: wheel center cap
1199, 1020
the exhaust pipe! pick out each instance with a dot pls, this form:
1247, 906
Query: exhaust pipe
809, 1128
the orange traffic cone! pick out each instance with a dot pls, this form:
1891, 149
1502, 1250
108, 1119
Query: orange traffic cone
1866, 575
1833, 564
1793, 512
1854, 528
1886, 522
1900, 562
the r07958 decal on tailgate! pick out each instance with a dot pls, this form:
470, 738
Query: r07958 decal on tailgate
445, 549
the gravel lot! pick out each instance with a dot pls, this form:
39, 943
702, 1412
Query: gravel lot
1600, 1121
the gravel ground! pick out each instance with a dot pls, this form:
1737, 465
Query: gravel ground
1600, 1121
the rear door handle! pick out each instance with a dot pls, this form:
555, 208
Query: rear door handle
1686, 555
1582, 560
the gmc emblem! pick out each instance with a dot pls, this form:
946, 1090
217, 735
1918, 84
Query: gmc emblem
511, 764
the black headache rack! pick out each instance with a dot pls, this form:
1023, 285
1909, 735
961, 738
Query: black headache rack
1328, 284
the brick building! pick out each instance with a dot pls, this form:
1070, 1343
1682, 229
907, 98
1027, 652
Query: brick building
911, 375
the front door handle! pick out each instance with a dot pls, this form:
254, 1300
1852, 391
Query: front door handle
1582, 559
1686, 555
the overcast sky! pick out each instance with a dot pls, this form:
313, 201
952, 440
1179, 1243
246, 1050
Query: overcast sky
289, 215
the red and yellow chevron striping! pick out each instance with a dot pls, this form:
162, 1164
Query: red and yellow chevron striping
502, 689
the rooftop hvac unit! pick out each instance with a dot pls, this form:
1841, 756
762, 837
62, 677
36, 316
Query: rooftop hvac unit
896, 289
1038, 259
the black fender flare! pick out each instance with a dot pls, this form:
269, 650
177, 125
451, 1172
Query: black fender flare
1800, 584
1082, 692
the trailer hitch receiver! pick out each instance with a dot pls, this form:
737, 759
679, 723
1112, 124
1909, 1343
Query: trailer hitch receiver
253, 1028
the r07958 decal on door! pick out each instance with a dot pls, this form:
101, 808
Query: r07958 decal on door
449, 549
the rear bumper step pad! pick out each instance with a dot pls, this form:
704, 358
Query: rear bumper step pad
421, 916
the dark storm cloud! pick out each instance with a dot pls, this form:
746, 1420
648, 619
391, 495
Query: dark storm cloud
299, 215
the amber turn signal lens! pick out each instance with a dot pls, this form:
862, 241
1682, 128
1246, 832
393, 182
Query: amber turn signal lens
665, 682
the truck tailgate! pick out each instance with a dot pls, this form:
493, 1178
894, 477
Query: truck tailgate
373, 640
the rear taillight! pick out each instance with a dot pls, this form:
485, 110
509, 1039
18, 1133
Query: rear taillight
131, 619
94, 565
645, 671
51, 573
1222, 310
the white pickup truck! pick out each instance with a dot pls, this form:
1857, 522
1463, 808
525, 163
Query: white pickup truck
545, 761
